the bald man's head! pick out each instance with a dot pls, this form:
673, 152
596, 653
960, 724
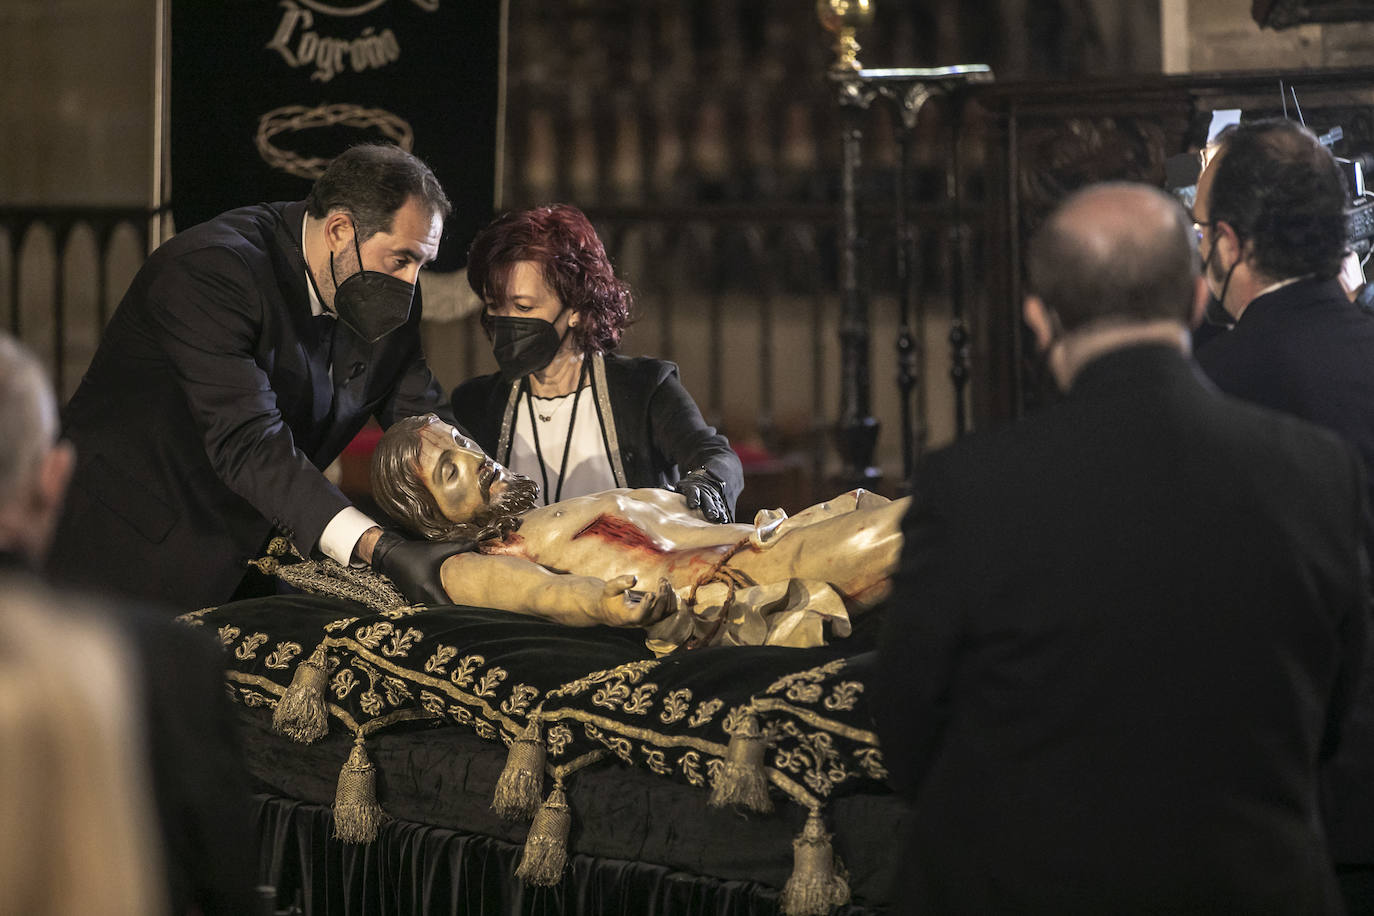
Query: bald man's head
1115, 253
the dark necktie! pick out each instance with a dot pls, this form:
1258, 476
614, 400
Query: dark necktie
324, 329
321, 351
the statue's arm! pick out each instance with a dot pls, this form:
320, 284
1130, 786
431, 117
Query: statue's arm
524, 587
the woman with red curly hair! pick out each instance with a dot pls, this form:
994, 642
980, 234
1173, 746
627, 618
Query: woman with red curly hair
564, 409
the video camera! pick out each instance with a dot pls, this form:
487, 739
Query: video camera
1359, 207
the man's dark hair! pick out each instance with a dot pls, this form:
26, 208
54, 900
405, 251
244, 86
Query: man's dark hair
372, 181
1136, 273
1283, 192
401, 492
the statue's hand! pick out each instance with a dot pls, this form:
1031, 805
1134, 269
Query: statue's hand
705, 494
623, 605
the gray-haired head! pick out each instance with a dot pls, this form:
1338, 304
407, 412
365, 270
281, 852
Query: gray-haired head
34, 467
28, 419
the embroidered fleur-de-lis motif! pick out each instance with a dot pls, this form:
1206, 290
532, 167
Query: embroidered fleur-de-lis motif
691, 768
844, 695
487, 683
521, 695
705, 710
675, 705
344, 681
432, 703
438, 662
558, 738
281, 657
402, 642
870, 760
248, 649
654, 760
396, 690
463, 675
373, 634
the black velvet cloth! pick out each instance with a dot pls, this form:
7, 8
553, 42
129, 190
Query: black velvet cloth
417, 868
440, 693
446, 777
597, 688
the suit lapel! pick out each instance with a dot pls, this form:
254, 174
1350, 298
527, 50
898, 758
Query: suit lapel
310, 424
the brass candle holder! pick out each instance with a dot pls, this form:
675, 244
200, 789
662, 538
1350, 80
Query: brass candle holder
843, 18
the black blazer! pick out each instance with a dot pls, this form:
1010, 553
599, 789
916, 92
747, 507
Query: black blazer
644, 409
1121, 634
1307, 350
209, 410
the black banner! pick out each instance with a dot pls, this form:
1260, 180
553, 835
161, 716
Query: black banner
264, 93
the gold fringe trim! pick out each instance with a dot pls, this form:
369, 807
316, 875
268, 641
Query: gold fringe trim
741, 779
521, 784
816, 884
300, 714
546, 848
357, 816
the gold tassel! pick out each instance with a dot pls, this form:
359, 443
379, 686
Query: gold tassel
814, 886
301, 714
546, 847
356, 812
741, 779
522, 781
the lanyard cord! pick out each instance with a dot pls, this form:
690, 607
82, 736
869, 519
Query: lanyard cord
567, 442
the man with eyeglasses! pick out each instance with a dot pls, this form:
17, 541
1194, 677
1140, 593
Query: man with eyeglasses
1270, 210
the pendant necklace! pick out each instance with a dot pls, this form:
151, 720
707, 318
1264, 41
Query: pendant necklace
567, 442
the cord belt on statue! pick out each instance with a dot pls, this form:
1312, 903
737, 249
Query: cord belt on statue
733, 580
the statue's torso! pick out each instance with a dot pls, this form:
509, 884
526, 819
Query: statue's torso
647, 532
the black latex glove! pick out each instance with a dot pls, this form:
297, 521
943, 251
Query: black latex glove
704, 493
413, 566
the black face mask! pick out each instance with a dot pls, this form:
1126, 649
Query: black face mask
1215, 312
371, 303
521, 345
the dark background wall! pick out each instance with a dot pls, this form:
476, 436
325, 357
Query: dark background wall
701, 134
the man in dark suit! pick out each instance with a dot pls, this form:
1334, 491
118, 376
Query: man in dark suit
187, 742
1125, 629
1271, 215
247, 353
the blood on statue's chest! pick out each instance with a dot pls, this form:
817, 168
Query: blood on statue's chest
609, 545
621, 533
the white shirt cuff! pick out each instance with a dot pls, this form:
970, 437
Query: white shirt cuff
341, 535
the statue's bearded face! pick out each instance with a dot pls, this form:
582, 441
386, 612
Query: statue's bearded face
467, 485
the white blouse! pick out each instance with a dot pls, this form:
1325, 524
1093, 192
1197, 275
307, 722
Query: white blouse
588, 465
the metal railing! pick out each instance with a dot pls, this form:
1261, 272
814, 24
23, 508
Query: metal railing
744, 298
45, 269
